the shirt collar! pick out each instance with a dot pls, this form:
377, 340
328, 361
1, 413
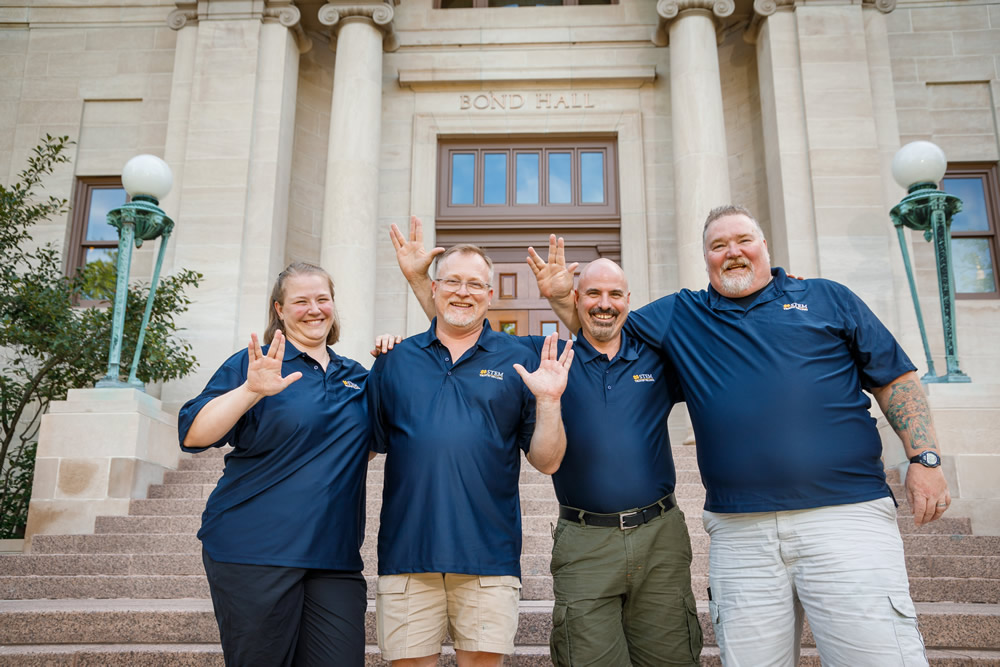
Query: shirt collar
487, 337
780, 284
582, 349
291, 352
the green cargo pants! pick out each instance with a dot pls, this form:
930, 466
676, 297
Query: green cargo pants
623, 597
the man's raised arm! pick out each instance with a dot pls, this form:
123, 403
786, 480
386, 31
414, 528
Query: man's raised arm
415, 261
555, 281
906, 410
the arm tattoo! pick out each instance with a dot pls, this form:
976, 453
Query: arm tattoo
908, 412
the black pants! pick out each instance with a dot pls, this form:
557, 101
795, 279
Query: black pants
286, 616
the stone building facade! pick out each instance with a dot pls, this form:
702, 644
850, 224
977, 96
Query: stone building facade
300, 130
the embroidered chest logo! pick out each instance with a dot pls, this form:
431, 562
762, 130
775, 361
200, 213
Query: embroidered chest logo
643, 377
496, 375
795, 306
350, 385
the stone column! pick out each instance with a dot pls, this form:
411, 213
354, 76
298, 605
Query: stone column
701, 174
350, 210
855, 240
786, 146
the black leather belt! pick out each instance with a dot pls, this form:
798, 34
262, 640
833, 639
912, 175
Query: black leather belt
622, 520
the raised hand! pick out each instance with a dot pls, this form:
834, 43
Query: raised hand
384, 343
549, 381
555, 279
414, 259
264, 371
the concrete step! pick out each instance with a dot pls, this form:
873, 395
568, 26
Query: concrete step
191, 476
945, 626
147, 524
167, 507
116, 543
535, 585
210, 655
201, 462
18, 565
180, 490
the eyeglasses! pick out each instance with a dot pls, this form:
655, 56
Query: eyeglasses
472, 286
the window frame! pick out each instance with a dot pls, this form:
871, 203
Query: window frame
576, 210
79, 216
987, 173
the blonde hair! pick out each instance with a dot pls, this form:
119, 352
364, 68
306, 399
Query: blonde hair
464, 249
278, 296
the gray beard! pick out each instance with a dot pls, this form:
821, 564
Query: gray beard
736, 285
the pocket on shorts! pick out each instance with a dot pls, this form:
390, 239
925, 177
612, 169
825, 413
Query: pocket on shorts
391, 583
694, 628
715, 615
904, 623
499, 580
559, 639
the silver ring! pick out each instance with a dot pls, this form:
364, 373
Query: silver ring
942, 504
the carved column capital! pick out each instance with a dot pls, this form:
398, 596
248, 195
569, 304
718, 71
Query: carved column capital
287, 14
761, 10
379, 14
186, 12
884, 6
668, 10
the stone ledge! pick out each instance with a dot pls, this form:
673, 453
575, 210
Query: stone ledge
619, 76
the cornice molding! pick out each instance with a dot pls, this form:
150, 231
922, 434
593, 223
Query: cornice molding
669, 10
380, 14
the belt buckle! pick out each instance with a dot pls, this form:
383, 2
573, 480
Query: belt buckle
621, 520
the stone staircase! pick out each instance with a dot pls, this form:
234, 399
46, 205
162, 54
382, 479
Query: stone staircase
134, 592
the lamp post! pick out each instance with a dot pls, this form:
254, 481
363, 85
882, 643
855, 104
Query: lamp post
147, 179
919, 167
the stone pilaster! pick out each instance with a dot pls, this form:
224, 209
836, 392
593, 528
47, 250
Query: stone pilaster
786, 145
701, 174
350, 210
229, 141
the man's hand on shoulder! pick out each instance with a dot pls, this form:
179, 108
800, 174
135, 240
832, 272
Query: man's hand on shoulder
384, 343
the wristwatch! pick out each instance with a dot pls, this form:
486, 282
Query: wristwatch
927, 459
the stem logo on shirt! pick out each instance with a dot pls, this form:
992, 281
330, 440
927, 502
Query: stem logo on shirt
496, 375
643, 377
796, 306
350, 385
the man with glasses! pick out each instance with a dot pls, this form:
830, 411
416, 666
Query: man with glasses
450, 413
621, 556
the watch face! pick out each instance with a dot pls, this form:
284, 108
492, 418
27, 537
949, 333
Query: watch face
931, 458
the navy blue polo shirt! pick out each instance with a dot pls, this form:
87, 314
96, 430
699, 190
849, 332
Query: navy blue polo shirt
775, 391
293, 490
451, 431
615, 412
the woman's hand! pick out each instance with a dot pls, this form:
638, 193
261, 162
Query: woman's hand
264, 370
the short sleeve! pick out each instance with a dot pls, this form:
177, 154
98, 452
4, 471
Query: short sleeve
379, 441
231, 375
878, 356
651, 322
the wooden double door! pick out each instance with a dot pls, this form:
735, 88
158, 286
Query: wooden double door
517, 307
